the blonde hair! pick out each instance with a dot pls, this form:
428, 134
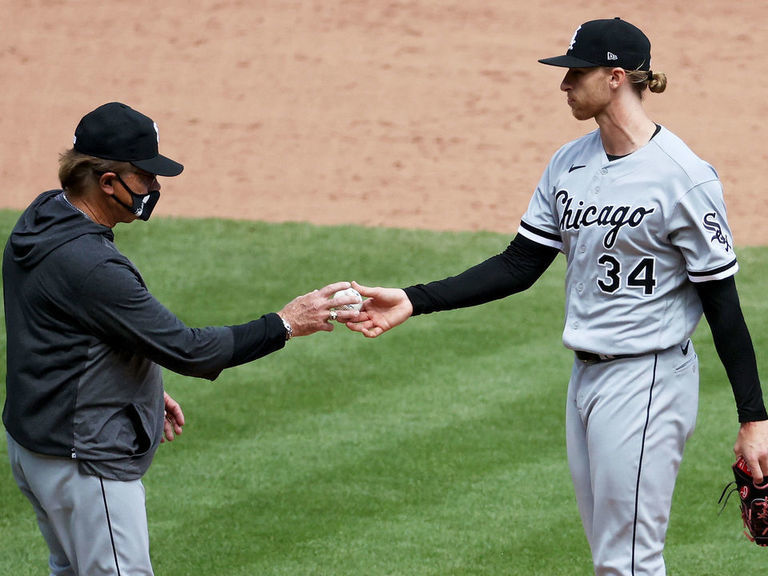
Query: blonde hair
77, 170
641, 79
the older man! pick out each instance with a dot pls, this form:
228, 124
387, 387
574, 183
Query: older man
85, 409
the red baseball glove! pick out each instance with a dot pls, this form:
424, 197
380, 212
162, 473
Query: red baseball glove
754, 502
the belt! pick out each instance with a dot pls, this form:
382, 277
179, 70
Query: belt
592, 358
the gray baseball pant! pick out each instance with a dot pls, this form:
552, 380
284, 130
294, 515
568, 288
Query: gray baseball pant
627, 423
93, 526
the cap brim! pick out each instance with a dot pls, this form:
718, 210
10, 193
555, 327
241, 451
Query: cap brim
159, 165
568, 62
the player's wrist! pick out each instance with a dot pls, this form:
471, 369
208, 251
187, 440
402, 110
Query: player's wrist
288, 328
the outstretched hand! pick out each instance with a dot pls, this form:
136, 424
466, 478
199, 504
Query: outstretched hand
383, 309
311, 312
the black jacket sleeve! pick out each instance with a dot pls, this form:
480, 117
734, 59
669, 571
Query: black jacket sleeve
514, 270
257, 338
116, 307
733, 343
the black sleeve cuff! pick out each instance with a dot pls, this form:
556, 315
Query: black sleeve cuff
418, 298
257, 339
752, 416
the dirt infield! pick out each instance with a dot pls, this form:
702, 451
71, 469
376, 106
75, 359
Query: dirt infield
430, 114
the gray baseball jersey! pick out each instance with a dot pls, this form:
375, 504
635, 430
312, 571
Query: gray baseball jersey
636, 232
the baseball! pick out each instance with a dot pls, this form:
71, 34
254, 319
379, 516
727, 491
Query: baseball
350, 292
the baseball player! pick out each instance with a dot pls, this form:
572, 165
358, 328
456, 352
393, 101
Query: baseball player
641, 221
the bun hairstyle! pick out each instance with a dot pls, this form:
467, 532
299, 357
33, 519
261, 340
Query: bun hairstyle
657, 81
641, 79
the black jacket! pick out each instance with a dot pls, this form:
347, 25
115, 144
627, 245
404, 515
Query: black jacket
86, 341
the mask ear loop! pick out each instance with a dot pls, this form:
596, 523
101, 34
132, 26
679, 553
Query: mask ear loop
115, 198
131, 209
128, 188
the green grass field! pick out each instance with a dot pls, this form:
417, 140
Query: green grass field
437, 449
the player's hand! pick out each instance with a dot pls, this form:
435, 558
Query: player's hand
383, 309
311, 312
752, 445
174, 419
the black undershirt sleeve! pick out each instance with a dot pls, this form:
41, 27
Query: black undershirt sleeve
514, 270
733, 343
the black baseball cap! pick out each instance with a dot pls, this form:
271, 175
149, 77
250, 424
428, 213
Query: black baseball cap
614, 43
115, 131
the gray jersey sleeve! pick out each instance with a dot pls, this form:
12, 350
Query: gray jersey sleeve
699, 228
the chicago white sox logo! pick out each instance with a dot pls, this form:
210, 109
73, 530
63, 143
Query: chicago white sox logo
573, 40
710, 223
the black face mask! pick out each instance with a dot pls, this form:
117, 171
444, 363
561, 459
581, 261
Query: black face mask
143, 204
